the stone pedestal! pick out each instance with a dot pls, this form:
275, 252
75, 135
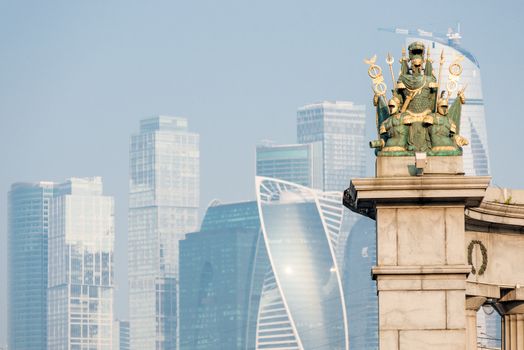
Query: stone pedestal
405, 166
421, 266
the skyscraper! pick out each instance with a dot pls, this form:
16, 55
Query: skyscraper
473, 122
340, 127
163, 206
302, 304
28, 229
299, 163
217, 276
81, 244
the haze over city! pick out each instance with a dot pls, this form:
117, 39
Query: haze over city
76, 78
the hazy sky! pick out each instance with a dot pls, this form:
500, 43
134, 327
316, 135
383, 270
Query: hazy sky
77, 76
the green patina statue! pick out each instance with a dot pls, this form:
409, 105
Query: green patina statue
413, 120
444, 128
393, 131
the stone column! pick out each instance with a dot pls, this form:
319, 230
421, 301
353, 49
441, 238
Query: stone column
421, 261
473, 305
512, 305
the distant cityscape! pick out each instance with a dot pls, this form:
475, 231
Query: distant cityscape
287, 269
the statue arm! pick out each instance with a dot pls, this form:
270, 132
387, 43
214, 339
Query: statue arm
385, 126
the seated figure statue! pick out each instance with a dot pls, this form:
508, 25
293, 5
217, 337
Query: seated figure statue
416, 90
391, 128
444, 127
394, 128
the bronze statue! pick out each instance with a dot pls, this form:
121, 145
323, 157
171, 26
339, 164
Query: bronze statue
442, 126
393, 131
414, 120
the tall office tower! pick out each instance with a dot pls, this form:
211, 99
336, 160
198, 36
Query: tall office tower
121, 335
217, 267
28, 228
473, 122
163, 206
359, 289
340, 128
80, 279
299, 163
302, 305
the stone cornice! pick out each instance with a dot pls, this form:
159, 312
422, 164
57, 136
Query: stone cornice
493, 216
421, 270
364, 194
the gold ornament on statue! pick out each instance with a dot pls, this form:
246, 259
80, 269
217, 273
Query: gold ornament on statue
455, 70
375, 73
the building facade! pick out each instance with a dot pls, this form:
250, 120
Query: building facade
299, 163
163, 206
28, 230
216, 278
302, 304
80, 265
359, 289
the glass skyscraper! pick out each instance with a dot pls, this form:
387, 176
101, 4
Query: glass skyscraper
80, 264
340, 127
28, 229
163, 206
359, 289
217, 275
302, 304
299, 163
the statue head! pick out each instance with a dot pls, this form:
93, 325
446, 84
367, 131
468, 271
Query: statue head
393, 104
416, 55
442, 104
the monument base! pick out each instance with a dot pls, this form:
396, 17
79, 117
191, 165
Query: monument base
405, 166
422, 267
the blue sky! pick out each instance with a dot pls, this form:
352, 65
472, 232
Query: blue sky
77, 76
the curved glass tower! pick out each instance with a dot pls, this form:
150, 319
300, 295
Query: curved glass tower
302, 305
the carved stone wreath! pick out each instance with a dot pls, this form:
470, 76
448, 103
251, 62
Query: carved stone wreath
484, 253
